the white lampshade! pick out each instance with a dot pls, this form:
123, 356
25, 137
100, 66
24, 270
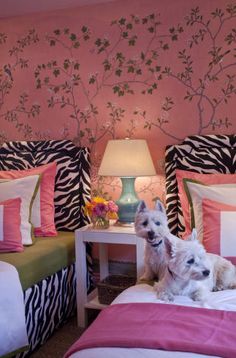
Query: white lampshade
127, 158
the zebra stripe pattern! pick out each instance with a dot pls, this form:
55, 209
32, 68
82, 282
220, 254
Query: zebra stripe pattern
48, 305
72, 186
202, 154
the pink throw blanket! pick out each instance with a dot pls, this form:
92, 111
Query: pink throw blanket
162, 326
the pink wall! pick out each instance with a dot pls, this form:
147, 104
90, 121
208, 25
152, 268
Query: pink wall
181, 51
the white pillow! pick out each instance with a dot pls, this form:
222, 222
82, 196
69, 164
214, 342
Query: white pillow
26, 189
35, 211
223, 193
227, 233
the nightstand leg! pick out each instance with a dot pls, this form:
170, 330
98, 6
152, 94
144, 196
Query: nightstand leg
103, 261
81, 280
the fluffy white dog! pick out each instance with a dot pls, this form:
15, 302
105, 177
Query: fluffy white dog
152, 226
193, 272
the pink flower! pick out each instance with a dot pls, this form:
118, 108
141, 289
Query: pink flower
100, 210
112, 207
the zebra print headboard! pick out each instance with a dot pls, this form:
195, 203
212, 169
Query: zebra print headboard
72, 186
201, 154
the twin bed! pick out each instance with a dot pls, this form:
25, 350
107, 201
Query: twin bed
137, 325
46, 268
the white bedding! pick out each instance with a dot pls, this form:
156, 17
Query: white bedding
223, 300
13, 334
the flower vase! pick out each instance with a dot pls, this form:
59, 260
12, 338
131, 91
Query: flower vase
100, 223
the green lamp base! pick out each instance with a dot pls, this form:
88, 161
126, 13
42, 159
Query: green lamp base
128, 202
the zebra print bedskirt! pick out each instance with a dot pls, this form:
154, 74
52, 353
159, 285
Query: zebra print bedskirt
48, 305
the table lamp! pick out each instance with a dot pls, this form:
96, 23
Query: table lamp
127, 159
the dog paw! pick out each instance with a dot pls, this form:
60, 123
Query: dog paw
143, 278
148, 275
146, 278
199, 296
163, 295
218, 288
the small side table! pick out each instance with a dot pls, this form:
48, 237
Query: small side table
112, 235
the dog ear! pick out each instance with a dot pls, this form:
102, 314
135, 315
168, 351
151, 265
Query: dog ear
160, 207
141, 207
170, 247
193, 235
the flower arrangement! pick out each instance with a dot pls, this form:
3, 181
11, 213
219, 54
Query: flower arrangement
101, 211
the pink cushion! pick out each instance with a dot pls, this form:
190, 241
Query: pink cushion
204, 179
46, 192
10, 220
218, 229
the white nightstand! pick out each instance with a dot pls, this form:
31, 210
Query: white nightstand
113, 235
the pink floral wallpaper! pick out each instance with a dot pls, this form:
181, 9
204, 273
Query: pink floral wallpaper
153, 69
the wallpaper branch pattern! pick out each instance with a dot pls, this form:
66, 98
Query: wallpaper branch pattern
7, 83
215, 68
150, 76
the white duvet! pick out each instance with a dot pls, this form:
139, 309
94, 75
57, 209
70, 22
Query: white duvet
223, 300
13, 334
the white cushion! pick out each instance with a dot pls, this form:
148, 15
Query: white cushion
227, 233
24, 188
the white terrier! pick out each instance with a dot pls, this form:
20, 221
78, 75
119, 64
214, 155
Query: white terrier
152, 226
193, 272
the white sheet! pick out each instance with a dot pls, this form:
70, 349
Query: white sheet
13, 334
223, 300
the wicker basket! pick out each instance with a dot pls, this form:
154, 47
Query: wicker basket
112, 286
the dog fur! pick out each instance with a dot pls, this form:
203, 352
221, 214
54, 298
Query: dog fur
193, 272
152, 226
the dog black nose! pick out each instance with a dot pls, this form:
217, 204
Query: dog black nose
151, 234
206, 273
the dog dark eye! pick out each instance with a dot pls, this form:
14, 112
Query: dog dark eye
190, 262
157, 223
145, 223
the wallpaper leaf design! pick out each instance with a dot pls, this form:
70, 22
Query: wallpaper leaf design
65, 82
126, 75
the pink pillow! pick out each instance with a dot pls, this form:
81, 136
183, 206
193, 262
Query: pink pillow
219, 223
204, 179
10, 220
42, 215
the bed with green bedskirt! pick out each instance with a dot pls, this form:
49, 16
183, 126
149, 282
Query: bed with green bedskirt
47, 256
47, 268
